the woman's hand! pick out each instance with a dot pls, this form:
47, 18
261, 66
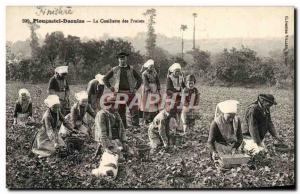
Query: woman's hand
233, 151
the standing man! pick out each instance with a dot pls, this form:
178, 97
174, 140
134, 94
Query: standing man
258, 122
58, 85
125, 82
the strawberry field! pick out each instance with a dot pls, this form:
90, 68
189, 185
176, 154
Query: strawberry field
185, 166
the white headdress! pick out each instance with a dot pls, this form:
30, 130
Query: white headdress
61, 69
81, 95
148, 63
51, 100
99, 78
24, 91
173, 67
228, 106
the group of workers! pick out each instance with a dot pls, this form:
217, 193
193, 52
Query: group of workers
102, 115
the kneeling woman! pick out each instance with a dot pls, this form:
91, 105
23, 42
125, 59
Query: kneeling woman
109, 128
225, 135
75, 118
47, 139
23, 108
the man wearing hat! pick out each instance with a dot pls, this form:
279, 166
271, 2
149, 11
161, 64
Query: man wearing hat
58, 85
125, 81
258, 122
95, 90
225, 134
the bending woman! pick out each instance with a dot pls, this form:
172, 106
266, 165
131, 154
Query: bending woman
78, 111
47, 139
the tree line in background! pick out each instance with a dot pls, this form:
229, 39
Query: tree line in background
86, 58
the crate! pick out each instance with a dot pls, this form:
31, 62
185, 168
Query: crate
229, 160
74, 143
143, 152
176, 140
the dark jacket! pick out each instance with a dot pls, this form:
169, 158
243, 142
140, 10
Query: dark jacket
171, 88
52, 121
257, 123
54, 84
93, 88
18, 109
108, 126
188, 96
123, 81
77, 113
216, 135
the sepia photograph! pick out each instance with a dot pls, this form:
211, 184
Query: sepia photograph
150, 97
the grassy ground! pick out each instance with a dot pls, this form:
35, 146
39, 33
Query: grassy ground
187, 166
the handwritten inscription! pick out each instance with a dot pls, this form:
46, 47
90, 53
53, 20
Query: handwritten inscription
53, 10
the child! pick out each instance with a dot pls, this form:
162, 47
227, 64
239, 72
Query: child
191, 99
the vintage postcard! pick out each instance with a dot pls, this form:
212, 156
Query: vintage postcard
150, 97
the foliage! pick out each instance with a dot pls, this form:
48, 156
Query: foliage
151, 36
185, 166
243, 66
201, 62
34, 42
162, 61
84, 58
183, 27
231, 67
